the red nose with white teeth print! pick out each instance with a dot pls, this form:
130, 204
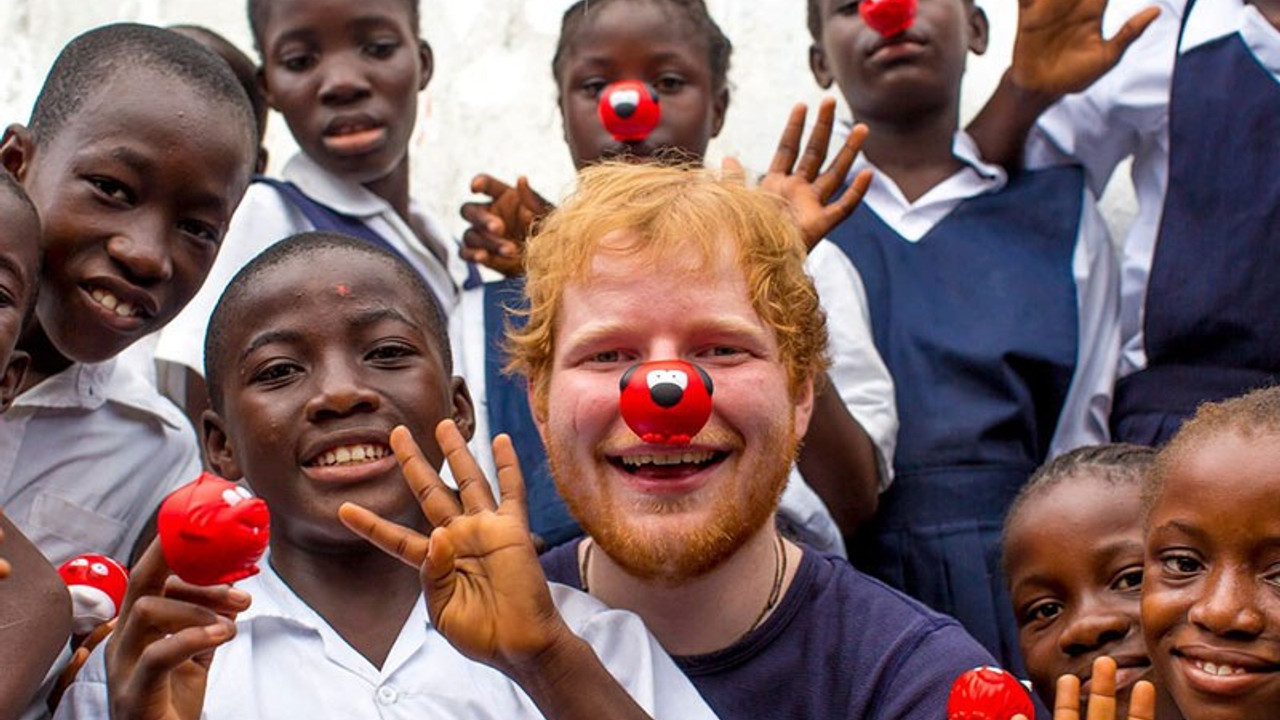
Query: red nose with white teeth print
888, 17
213, 531
666, 402
988, 693
629, 110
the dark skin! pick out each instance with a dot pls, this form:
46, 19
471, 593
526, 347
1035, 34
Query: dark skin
905, 89
1101, 698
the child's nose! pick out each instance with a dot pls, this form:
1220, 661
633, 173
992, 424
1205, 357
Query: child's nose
1093, 628
340, 391
342, 82
144, 254
1228, 605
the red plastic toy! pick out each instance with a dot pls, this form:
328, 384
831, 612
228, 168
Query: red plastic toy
213, 531
988, 693
629, 110
97, 584
888, 17
666, 402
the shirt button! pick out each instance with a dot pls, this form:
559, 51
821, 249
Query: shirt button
387, 695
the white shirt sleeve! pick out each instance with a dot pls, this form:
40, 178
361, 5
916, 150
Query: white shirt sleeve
1096, 268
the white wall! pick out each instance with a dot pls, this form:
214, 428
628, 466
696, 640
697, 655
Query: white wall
491, 106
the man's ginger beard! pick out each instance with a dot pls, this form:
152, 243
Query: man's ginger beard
674, 555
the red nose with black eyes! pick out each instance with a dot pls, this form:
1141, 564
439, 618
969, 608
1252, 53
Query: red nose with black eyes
666, 402
629, 110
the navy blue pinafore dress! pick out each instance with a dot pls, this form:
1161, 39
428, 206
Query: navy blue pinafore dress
1212, 315
978, 323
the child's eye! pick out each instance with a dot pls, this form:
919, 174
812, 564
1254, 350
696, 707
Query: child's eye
112, 189
1042, 611
381, 49
388, 353
668, 84
297, 62
1180, 565
274, 373
846, 8
593, 87
1129, 580
200, 230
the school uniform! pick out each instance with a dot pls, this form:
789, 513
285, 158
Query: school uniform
287, 662
994, 304
501, 401
87, 455
1196, 103
273, 210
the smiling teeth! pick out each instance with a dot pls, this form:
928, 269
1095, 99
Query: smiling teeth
1219, 670
112, 303
349, 454
688, 458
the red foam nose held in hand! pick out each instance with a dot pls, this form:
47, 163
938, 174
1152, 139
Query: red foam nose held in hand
213, 531
629, 110
988, 693
666, 402
97, 584
888, 17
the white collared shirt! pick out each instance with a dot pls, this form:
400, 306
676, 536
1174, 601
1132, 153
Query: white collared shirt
266, 217
1085, 413
87, 455
1126, 113
287, 662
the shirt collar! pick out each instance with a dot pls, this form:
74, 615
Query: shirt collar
975, 178
88, 386
332, 191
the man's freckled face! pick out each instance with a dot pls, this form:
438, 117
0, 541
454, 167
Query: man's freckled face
1072, 607
1211, 594
639, 41
133, 209
330, 368
346, 77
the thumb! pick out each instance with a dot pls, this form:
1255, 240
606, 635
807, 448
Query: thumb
439, 576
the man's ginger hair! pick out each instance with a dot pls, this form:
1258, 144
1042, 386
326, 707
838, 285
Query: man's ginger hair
658, 213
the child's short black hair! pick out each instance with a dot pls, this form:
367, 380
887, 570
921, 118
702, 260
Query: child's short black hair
243, 67
229, 310
10, 185
1114, 463
90, 59
258, 10
719, 48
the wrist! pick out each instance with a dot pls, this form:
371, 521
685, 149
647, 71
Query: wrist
564, 656
1028, 99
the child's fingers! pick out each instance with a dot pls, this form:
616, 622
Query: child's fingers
1132, 29
829, 181
408, 546
1066, 704
1102, 690
530, 199
147, 577
482, 218
789, 144
472, 486
148, 683
488, 185
222, 599
815, 151
438, 573
510, 479
434, 497
843, 207
1142, 701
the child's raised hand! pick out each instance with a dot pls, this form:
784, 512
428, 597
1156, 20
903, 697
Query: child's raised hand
158, 658
499, 227
485, 590
1102, 696
1060, 49
807, 189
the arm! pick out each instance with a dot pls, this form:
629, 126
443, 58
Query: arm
1059, 49
838, 460
485, 589
500, 227
35, 619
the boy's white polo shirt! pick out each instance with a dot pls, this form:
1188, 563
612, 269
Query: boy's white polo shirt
287, 662
87, 455
265, 217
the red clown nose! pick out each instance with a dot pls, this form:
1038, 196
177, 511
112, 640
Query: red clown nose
888, 17
988, 693
213, 531
666, 402
97, 585
629, 110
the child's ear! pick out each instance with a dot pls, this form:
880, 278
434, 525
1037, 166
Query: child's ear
217, 446
11, 379
818, 66
979, 31
720, 108
16, 150
464, 413
428, 62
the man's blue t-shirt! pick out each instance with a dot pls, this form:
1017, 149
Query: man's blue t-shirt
840, 645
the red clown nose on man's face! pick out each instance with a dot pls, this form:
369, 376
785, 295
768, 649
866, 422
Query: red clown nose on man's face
666, 402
